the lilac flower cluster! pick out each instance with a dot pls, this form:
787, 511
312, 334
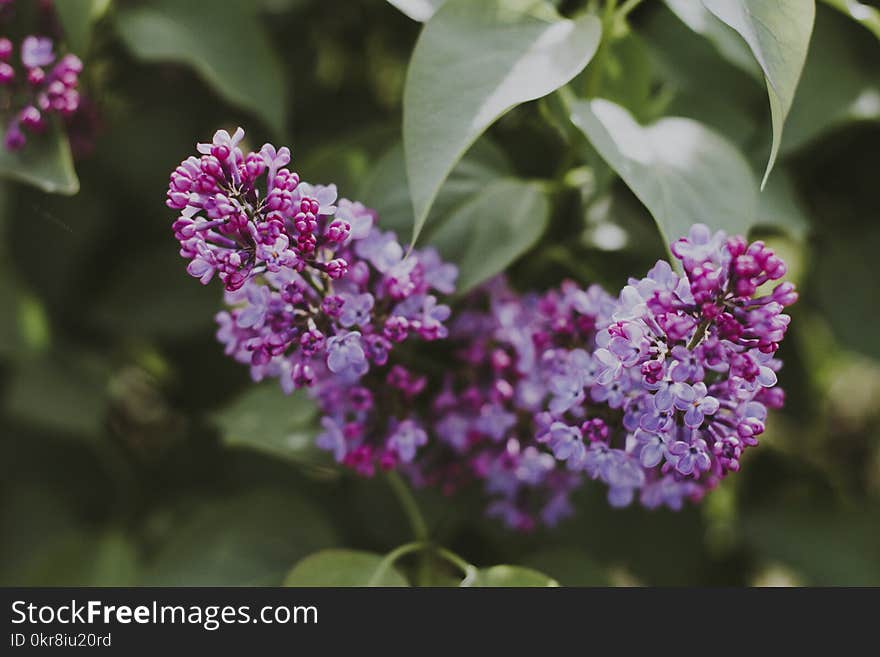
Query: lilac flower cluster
41, 86
681, 374
656, 392
315, 290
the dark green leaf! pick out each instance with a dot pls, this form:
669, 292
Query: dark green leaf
250, 539
266, 419
45, 162
77, 18
859, 12
78, 559
70, 397
249, 74
568, 566
344, 568
827, 546
473, 62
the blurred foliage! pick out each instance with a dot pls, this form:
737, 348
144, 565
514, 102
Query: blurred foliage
134, 452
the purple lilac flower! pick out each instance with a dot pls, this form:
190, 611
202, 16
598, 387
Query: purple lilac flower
34, 91
687, 365
312, 286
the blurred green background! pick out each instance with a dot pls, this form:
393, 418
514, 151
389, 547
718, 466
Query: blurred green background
133, 452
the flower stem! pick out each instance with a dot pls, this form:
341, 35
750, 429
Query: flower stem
410, 507
699, 334
469, 570
416, 521
392, 557
627, 7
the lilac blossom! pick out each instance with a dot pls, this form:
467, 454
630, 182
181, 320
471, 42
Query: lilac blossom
41, 86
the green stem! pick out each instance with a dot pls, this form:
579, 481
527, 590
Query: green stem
469, 570
627, 7
392, 557
410, 507
594, 82
416, 521
699, 334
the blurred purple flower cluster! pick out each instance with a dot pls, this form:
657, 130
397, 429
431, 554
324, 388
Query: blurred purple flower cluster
35, 85
656, 392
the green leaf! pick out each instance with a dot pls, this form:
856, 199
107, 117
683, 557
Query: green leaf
68, 396
780, 207
859, 12
267, 420
723, 38
508, 576
778, 33
386, 191
491, 231
681, 170
848, 257
45, 162
829, 546
473, 62
78, 559
226, 45
77, 18
568, 566
840, 84
171, 304
250, 539
344, 568
704, 86
418, 10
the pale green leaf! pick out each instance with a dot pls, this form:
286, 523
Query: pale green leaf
726, 41
682, 171
778, 34
344, 568
418, 10
512, 576
492, 230
386, 191
840, 84
472, 63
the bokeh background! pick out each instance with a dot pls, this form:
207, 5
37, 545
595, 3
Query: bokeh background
133, 452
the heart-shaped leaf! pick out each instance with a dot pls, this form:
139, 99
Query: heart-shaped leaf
778, 34
473, 62
681, 170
